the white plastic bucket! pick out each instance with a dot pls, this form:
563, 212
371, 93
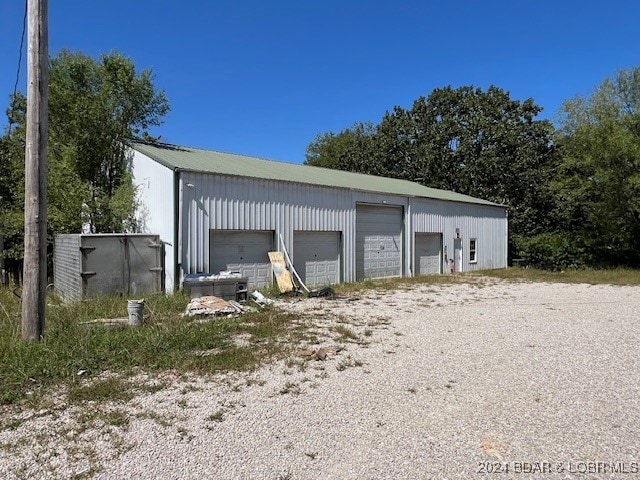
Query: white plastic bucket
136, 312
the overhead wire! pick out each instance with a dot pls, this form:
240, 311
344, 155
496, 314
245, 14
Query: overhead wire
15, 86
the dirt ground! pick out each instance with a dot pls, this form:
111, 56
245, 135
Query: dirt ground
486, 379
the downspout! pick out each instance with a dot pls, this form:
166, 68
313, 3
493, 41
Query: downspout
506, 238
410, 237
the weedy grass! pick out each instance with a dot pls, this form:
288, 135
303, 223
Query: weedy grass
73, 351
345, 333
395, 283
611, 276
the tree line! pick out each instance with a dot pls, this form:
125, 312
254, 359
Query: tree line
572, 189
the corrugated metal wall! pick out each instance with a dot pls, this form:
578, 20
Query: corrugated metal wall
155, 212
485, 223
239, 203
67, 267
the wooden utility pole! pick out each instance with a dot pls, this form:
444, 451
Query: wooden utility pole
35, 171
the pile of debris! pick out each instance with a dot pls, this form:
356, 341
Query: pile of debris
211, 305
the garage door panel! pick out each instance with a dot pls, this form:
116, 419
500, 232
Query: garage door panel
316, 257
378, 241
242, 251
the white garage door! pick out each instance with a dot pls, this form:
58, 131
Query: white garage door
316, 257
243, 251
378, 241
428, 247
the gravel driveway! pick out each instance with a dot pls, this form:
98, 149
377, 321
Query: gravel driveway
486, 379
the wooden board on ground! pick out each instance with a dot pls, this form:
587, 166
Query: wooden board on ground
283, 277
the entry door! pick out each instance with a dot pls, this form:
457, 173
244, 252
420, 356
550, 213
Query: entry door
457, 247
427, 255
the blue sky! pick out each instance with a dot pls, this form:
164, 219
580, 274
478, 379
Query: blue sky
264, 78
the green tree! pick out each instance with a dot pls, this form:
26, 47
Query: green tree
597, 184
95, 107
480, 143
350, 150
12, 145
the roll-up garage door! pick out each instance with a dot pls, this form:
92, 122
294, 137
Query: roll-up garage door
316, 257
243, 251
378, 241
428, 247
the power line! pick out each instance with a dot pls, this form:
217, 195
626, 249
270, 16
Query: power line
15, 86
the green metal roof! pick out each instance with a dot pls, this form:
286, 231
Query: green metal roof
210, 161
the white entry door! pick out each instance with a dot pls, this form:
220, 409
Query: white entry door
457, 247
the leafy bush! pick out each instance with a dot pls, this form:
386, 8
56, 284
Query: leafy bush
552, 251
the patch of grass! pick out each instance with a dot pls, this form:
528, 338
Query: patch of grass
117, 418
290, 387
112, 388
189, 388
385, 284
253, 381
165, 341
612, 276
349, 361
162, 420
345, 333
374, 322
216, 416
11, 424
184, 434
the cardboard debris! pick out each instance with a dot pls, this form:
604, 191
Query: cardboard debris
210, 305
283, 277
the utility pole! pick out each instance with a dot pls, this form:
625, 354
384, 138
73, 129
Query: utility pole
35, 172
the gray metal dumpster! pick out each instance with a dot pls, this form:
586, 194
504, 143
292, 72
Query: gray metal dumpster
86, 265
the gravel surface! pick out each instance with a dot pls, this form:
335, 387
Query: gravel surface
478, 380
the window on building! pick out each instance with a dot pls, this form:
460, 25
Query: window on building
473, 250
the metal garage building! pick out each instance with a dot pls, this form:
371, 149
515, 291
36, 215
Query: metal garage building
219, 211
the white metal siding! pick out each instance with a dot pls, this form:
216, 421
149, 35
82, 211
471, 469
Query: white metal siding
378, 241
240, 203
428, 259
486, 223
155, 213
316, 257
